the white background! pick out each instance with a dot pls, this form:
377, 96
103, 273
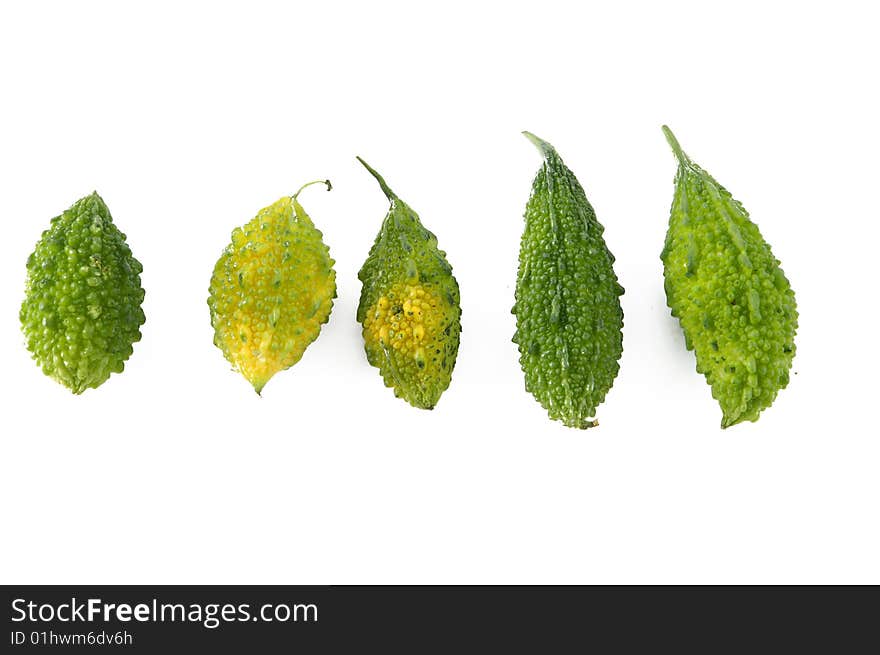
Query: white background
188, 118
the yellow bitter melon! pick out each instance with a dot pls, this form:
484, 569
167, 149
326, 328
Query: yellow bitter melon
409, 306
568, 317
734, 303
271, 291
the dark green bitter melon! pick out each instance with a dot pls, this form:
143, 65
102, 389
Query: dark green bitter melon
569, 323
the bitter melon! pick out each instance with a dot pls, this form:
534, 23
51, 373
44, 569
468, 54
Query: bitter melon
82, 307
409, 306
569, 323
735, 305
271, 291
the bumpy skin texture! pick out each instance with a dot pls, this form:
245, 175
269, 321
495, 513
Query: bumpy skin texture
409, 307
82, 307
271, 291
734, 303
569, 323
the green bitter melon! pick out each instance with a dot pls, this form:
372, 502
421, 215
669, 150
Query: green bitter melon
82, 307
409, 306
569, 323
734, 303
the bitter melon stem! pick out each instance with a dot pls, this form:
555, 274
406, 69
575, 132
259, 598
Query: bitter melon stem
545, 148
676, 147
327, 182
385, 188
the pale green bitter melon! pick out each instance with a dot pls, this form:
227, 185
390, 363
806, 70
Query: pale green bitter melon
734, 303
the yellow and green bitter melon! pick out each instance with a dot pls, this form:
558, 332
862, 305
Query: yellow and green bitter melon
271, 291
569, 323
82, 307
736, 307
409, 306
